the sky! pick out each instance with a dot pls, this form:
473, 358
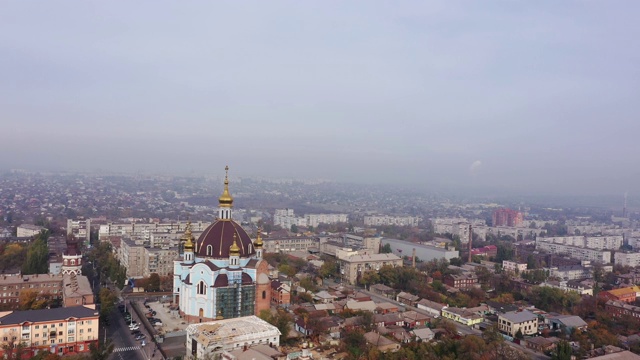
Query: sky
530, 96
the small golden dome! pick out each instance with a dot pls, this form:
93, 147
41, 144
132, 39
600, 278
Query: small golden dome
188, 237
226, 200
258, 244
234, 249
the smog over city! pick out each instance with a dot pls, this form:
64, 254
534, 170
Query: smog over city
298, 180
527, 98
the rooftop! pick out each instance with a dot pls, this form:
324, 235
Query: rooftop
18, 317
236, 329
519, 316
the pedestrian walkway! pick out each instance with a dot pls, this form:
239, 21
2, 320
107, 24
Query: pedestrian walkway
128, 348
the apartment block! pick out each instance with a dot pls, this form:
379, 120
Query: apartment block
589, 242
61, 330
28, 230
80, 229
524, 321
287, 244
387, 220
627, 258
351, 268
507, 217
580, 253
513, 267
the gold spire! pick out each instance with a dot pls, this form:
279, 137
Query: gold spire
258, 244
234, 249
226, 200
188, 237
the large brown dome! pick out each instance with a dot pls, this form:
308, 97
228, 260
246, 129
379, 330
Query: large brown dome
216, 240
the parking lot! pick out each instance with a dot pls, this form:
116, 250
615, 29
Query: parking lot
170, 321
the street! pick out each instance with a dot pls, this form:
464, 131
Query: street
125, 345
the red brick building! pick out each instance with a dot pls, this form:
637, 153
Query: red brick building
507, 217
627, 295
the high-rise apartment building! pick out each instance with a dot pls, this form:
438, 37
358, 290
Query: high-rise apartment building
507, 217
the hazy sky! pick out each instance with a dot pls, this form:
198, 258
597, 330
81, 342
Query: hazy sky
526, 95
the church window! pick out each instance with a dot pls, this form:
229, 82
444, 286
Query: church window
264, 294
73, 262
202, 288
209, 250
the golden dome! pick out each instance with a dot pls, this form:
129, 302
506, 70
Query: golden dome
258, 244
226, 200
234, 249
188, 237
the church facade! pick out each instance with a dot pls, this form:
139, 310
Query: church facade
222, 274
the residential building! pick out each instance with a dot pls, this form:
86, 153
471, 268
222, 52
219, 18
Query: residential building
461, 281
627, 294
143, 232
380, 342
507, 217
423, 252
76, 291
280, 294
575, 272
159, 261
286, 218
571, 285
62, 331
131, 256
539, 343
589, 242
580, 253
407, 299
433, 308
412, 319
524, 321
222, 273
513, 267
631, 259
214, 337
13, 286
317, 219
566, 323
288, 244
381, 289
80, 229
28, 230
386, 220
622, 309
351, 268
463, 316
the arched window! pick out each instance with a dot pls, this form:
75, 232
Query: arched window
209, 250
73, 262
202, 288
264, 294
201, 313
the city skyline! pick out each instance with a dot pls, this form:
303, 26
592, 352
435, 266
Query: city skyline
531, 98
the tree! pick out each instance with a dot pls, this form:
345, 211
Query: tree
154, 282
329, 268
562, 351
101, 351
37, 261
107, 303
30, 300
386, 249
369, 278
294, 228
282, 320
13, 349
519, 334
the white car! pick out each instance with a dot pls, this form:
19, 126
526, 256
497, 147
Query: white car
134, 327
